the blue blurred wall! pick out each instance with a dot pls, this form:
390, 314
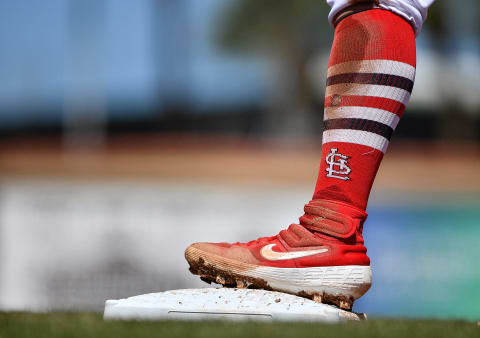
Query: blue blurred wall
135, 56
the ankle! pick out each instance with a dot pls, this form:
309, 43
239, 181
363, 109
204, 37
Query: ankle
334, 219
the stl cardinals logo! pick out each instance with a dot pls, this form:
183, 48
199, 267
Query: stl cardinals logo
337, 165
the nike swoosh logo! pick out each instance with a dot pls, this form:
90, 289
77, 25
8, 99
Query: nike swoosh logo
271, 255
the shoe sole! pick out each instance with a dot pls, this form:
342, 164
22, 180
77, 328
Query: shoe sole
337, 285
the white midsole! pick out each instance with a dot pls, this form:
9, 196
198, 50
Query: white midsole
347, 280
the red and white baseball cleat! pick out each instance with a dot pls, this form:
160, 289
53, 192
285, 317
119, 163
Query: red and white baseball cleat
322, 258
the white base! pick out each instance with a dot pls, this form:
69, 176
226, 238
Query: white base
224, 304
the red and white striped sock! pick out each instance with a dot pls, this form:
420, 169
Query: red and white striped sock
370, 79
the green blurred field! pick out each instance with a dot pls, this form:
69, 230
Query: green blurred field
29, 325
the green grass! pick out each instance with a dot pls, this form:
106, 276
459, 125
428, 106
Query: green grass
19, 325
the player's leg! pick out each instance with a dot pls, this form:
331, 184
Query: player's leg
370, 78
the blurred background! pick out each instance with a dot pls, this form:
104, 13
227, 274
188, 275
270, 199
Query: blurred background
129, 129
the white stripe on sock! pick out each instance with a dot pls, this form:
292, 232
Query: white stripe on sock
361, 89
374, 66
356, 112
365, 138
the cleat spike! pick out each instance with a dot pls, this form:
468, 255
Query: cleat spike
345, 305
220, 280
317, 298
241, 284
